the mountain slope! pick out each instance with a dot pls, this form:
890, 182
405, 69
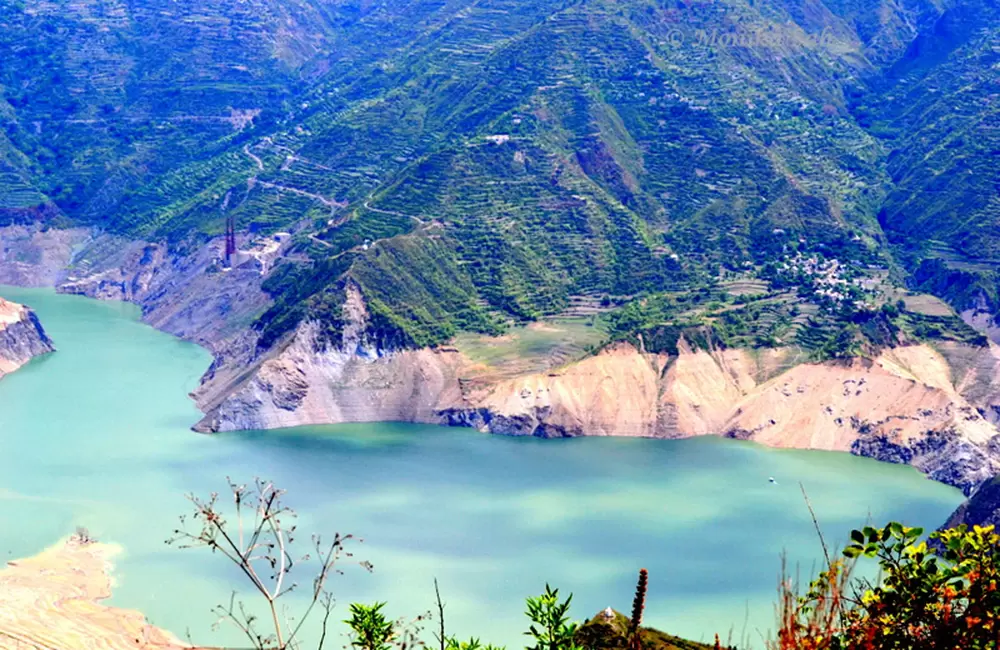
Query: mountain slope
564, 148
415, 181
938, 107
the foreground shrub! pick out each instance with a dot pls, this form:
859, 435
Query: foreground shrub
939, 594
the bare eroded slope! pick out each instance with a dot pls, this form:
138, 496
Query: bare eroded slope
52, 600
21, 337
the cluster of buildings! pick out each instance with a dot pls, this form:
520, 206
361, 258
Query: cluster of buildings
831, 282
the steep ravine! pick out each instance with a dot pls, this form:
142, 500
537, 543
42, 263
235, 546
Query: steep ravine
187, 294
21, 337
934, 408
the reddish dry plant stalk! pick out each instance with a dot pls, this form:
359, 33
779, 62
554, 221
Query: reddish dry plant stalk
718, 644
637, 606
812, 623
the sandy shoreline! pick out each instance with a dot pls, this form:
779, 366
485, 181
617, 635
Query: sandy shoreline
52, 602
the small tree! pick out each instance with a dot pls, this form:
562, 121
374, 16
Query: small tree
259, 543
370, 628
452, 643
83, 536
550, 624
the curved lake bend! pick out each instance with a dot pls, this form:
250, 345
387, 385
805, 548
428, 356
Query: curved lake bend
97, 435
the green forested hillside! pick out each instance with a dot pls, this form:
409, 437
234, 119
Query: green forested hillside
469, 163
938, 108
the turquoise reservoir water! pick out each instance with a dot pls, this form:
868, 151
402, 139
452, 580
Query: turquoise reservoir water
97, 435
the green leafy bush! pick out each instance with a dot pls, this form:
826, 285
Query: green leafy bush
551, 628
935, 594
370, 628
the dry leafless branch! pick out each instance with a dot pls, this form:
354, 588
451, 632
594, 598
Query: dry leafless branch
258, 541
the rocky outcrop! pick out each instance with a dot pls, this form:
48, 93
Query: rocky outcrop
622, 392
34, 256
982, 508
900, 407
612, 394
186, 293
982, 317
21, 337
306, 382
611, 630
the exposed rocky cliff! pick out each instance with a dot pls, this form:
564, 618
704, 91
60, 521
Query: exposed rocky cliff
982, 508
21, 337
34, 256
187, 293
930, 408
305, 381
900, 407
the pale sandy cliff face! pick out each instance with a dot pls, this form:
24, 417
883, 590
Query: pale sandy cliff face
53, 600
306, 382
21, 337
934, 409
901, 407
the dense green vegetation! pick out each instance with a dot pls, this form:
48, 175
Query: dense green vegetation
550, 628
861, 324
473, 165
938, 593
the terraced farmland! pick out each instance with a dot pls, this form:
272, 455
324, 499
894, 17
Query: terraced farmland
544, 157
537, 347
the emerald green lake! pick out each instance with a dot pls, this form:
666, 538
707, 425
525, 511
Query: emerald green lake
98, 435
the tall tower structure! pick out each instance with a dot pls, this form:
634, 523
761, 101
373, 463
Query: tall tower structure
230, 239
